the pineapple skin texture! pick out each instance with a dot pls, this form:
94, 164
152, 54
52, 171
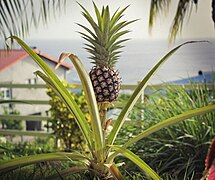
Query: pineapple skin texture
106, 83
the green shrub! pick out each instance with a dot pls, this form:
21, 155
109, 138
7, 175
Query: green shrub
11, 124
99, 161
63, 123
178, 151
10, 150
40, 170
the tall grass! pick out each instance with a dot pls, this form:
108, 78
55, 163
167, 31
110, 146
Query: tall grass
177, 152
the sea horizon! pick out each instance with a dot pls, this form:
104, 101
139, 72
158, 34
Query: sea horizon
139, 56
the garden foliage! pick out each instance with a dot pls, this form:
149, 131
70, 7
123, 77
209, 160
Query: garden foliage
178, 151
98, 162
63, 123
11, 124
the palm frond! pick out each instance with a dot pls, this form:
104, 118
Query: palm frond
184, 7
156, 7
17, 17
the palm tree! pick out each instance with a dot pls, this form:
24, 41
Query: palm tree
184, 8
17, 17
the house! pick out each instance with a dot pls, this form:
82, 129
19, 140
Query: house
17, 67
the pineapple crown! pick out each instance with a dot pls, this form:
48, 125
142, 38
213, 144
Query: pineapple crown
104, 41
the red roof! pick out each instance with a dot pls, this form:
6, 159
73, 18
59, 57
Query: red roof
8, 58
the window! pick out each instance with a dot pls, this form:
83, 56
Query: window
6, 93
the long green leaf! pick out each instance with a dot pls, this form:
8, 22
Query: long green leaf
119, 26
139, 162
28, 160
89, 18
67, 172
115, 37
91, 100
98, 15
48, 81
137, 93
79, 116
117, 45
94, 42
170, 122
116, 16
166, 123
105, 25
88, 30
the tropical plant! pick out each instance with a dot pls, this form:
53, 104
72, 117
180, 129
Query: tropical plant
17, 17
98, 162
11, 124
104, 45
182, 146
62, 122
184, 9
11, 150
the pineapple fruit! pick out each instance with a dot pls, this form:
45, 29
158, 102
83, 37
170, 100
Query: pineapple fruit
104, 42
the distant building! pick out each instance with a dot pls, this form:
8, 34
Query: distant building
17, 67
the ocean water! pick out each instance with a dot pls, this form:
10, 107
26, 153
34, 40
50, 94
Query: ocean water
139, 56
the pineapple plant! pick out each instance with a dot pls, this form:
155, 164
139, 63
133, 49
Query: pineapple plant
98, 161
104, 44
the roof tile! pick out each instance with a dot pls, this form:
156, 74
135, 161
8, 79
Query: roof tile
8, 58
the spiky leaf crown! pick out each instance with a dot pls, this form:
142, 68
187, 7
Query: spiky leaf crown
104, 40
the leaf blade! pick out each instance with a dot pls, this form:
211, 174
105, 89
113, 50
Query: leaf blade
91, 99
137, 93
171, 121
139, 162
28, 160
72, 106
164, 124
56, 83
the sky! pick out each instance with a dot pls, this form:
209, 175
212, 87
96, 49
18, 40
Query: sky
200, 24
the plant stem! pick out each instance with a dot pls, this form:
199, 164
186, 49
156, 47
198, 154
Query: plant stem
103, 113
103, 116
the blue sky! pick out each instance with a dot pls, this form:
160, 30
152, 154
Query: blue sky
200, 24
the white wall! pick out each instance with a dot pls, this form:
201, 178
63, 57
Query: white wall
19, 73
